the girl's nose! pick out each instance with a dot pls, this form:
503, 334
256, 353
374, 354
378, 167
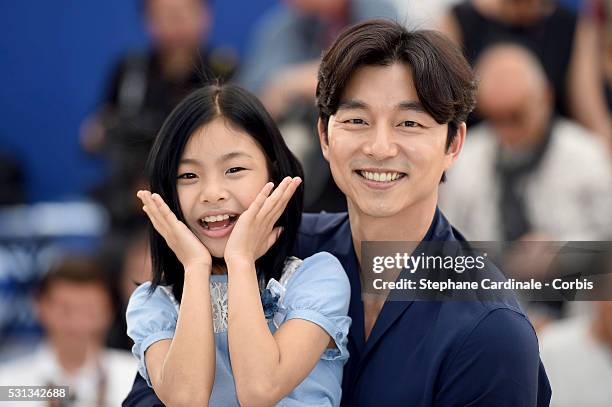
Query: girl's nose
213, 192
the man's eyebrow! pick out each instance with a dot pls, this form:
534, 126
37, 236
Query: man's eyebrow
412, 105
405, 105
352, 104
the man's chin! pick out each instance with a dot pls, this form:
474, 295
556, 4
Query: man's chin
375, 210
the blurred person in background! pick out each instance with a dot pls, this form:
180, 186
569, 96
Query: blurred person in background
524, 172
144, 88
564, 42
284, 54
577, 353
281, 68
75, 307
12, 187
603, 10
128, 260
422, 13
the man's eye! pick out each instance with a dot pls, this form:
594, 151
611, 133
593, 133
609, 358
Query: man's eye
409, 123
354, 121
234, 170
187, 175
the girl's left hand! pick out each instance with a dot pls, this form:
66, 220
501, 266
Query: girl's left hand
254, 232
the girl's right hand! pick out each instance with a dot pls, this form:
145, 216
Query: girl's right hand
185, 245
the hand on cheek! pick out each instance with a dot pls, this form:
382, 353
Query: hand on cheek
185, 245
254, 232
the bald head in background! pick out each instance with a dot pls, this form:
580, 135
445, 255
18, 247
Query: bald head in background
514, 96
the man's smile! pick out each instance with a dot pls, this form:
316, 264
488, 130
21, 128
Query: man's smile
379, 178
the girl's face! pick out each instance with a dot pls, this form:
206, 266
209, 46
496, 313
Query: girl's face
220, 173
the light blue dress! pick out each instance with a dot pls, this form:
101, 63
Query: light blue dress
315, 289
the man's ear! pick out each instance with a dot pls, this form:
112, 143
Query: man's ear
453, 151
323, 138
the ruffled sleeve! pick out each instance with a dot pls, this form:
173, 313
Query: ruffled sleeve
151, 317
319, 292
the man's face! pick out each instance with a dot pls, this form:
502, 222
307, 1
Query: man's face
318, 7
75, 314
386, 153
521, 12
177, 23
516, 107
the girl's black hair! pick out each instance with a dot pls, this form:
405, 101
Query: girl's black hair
241, 109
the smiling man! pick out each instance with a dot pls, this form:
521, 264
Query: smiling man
392, 110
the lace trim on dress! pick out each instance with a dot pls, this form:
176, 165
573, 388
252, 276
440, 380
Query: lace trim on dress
218, 294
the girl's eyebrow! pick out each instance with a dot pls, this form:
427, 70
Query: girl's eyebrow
234, 154
189, 161
224, 157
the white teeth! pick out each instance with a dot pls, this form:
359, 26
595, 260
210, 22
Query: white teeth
380, 176
216, 218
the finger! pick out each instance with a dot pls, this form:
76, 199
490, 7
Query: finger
271, 201
155, 223
260, 199
155, 214
164, 209
283, 200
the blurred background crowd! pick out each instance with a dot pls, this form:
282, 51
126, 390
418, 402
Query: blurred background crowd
86, 85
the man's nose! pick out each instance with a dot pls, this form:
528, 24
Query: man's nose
381, 144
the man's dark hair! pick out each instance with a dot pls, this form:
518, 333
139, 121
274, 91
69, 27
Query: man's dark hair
76, 269
443, 79
243, 110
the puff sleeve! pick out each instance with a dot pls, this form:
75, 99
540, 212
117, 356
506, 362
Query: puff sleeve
151, 317
319, 292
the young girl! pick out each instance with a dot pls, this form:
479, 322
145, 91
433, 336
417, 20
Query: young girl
205, 331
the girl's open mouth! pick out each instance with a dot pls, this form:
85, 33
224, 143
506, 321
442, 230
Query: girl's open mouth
217, 226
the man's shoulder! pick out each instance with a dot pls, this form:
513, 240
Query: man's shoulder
478, 329
323, 231
573, 140
322, 223
468, 314
493, 356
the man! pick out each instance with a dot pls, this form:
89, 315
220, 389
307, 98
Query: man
565, 42
75, 307
392, 106
525, 172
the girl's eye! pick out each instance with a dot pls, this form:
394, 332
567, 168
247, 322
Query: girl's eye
355, 121
409, 123
187, 175
234, 170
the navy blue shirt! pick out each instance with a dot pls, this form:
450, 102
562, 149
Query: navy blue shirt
423, 353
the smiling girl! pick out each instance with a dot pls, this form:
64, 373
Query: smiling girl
229, 318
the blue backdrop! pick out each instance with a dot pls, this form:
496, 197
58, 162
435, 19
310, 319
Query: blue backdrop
55, 58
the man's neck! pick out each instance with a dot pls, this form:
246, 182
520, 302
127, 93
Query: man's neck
71, 359
410, 225
176, 64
